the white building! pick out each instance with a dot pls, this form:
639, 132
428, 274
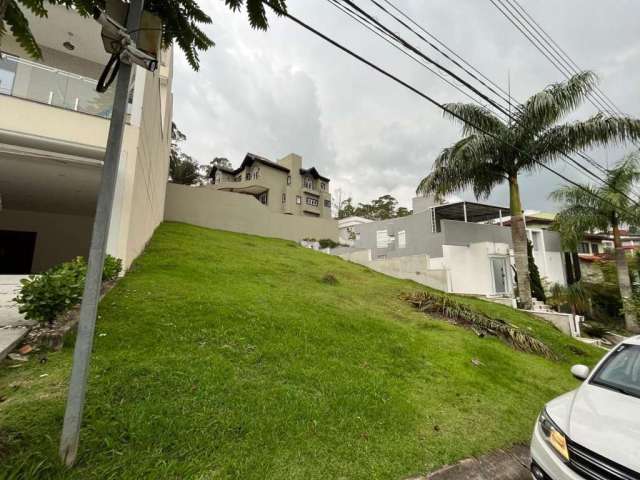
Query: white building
53, 132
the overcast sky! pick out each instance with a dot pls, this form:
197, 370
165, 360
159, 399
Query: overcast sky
285, 90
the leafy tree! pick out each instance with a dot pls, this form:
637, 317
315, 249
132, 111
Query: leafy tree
403, 212
346, 209
184, 170
216, 162
481, 161
537, 290
605, 208
181, 20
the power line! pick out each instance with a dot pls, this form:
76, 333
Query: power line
570, 61
431, 100
370, 20
358, 19
535, 41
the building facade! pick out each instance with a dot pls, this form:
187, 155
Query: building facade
454, 247
53, 133
282, 186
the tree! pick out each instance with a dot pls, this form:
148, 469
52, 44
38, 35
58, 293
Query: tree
346, 209
184, 170
181, 20
494, 151
605, 208
216, 162
537, 290
403, 212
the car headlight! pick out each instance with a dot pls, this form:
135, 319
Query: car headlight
553, 435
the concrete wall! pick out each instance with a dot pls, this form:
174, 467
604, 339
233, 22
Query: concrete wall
144, 201
415, 267
469, 267
418, 235
59, 237
236, 212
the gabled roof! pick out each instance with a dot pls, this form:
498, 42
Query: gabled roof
251, 158
313, 172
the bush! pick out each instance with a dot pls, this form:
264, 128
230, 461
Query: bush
327, 243
43, 297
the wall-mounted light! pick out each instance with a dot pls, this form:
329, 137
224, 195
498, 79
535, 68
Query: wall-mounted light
69, 46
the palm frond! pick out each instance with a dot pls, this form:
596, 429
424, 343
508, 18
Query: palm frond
547, 107
461, 314
475, 119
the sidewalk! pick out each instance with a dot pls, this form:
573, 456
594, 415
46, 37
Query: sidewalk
13, 326
512, 464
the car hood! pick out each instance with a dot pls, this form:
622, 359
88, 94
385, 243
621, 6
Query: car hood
602, 420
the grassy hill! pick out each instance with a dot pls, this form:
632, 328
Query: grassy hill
223, 356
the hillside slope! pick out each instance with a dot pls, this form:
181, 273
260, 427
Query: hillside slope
223, 355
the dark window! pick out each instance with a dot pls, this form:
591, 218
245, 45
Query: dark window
327, 203
288, 179
312, 201
263, 197
284, 198
308, 183
248, 176
583, 247
298, 200
595, 248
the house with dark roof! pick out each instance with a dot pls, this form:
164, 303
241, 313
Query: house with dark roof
282, 186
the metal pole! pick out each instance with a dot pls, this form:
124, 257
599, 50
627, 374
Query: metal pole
93, 282
464, 209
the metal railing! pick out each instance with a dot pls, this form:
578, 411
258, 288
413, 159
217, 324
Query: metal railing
33, 81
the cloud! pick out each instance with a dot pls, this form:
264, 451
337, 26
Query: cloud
287, 91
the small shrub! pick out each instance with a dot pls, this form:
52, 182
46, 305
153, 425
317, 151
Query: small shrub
327, 243
112, 268
45, 296
329, 279
594, 330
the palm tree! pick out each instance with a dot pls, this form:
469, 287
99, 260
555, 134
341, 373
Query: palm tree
583, 211
493, 151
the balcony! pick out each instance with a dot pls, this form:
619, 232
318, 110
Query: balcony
43, 84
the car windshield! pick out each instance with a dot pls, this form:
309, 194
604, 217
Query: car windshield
621, 371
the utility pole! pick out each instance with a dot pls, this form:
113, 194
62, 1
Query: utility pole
91, 295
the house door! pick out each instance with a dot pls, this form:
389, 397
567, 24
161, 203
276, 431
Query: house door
16, 252
499, 273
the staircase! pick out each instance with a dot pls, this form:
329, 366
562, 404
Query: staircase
538, 306
13, 326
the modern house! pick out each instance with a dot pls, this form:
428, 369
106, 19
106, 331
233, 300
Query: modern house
454, 247
53, 133
283, 186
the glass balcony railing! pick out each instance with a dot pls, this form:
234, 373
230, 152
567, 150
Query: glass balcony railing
41, 83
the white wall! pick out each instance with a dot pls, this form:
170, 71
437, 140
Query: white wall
59, 237
469, 267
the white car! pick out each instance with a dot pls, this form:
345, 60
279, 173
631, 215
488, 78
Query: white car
593, 432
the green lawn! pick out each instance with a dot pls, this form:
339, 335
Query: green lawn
223, 355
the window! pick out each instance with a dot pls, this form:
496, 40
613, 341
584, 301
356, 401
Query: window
584, 248
248, 175
298, 200
322, 186
621, 371
311, 201
308, 183
239, 178
536, 241
288, 179
595, 248
402, 239
382, 239
284, 198
263, 197
327, 203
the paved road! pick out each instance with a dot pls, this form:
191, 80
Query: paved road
512, 464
